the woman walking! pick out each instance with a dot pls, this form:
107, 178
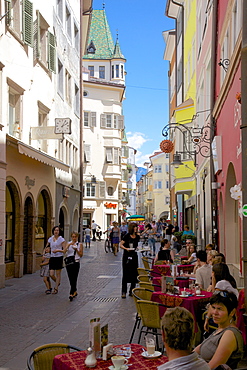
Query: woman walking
57, 244
115, 232
130, 259
73, 249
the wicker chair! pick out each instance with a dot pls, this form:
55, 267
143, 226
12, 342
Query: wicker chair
142, 271
42, 357
146, 285
144, 278
149, 313
139, 293
147, 262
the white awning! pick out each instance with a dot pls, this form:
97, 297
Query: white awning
89, 204
41, 157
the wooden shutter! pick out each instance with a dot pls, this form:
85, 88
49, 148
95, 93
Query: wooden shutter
115, 156
87, 152
102, 189
102, 120
8, 12
120, 122
93, 119
51, 52
36, 36
109, 157
27, 16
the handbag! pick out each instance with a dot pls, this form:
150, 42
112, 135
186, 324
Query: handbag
70, 260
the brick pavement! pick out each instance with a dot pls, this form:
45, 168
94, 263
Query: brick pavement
29, 318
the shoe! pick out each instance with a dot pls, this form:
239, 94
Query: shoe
55, 291
75, 294
124, 295
48, 291
130, 294
71, 298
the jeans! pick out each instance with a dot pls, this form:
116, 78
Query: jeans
151, 244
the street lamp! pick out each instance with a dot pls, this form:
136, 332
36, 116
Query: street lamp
176, 160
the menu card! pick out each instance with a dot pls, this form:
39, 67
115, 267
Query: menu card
169, 284
94, 335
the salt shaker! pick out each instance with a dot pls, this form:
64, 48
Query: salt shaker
90, 360
198, 290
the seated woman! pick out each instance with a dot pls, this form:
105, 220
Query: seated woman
225, 344
164, 253
222, 279
191, 255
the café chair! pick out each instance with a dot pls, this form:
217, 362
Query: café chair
146, 285
149, 313
147, 262
139, 293
142, 271
144, 278
42, 357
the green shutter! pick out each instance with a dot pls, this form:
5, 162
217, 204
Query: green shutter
27, 17
8, 12
36, 36
51, 52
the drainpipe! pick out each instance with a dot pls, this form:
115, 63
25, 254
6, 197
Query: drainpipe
244, 141
214, 213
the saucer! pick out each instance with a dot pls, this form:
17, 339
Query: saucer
200, 295
123, 367
154, 355
184, 296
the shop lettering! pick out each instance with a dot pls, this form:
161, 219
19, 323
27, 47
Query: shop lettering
110, 205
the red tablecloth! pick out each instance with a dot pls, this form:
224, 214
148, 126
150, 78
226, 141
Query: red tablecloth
166, 270
194, 304
184, 283
75, 361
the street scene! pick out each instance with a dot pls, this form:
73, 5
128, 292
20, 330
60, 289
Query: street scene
123, 151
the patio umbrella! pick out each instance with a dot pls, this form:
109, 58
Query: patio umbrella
135, 218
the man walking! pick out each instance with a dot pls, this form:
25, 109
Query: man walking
94, 227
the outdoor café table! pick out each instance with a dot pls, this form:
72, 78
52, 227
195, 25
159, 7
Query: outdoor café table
75, 361
182, 283
194, 304
158, 270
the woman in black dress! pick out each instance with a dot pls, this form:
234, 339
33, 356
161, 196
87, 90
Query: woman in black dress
130, 259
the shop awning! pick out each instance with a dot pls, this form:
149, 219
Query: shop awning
42, 157
135, 218
89, 204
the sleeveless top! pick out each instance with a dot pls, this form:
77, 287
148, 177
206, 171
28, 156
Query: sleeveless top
209, 346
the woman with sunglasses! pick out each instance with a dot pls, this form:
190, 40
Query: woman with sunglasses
225, 344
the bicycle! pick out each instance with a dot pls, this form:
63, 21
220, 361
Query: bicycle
108, 245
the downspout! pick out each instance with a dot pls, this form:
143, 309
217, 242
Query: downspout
214, 213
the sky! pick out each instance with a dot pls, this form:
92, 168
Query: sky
139, 24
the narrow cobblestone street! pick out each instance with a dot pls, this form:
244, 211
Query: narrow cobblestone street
29, 318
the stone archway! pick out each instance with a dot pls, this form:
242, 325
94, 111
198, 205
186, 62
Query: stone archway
28, 236
232, 220
75, 221
221, 226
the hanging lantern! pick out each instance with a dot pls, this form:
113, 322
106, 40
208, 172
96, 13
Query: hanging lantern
166, 146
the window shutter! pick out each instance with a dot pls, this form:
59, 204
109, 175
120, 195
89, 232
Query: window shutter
8, 12
36, 37
27, 16
109, 155
102, 189
93, 119
103, 120
120, 122
115, 153
120, 191
87, 152
51, 52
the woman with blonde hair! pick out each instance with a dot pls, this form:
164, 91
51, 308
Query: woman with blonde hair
74, 251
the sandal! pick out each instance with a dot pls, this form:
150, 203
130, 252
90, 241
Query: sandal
75, 294
55, 291
71, 298
48, 291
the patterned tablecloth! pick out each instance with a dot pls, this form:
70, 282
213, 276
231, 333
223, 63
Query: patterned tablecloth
166, 270
75, 361
183, 283
194, 304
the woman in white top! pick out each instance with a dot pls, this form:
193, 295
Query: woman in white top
73, 248
57, 244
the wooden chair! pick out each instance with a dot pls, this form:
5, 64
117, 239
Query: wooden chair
139, 293
42, 357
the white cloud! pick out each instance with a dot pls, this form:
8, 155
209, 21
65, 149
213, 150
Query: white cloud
136, 139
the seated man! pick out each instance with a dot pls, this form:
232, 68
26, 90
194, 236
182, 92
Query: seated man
204, 272
178, 336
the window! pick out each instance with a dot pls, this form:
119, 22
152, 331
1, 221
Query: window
60, 9
90, 189
109, 120
102, 72
91, 70
112, 155
68, 22
60, 78
76, 38
157, 184
117, 71
122, 71
89, 119
14, 109
112, 72
14, 16
167, 167
44, 44
109, 158
158, 168
77, 101
87, 153
68, 86
167, 200
43, 112
110, 191
125, 175
167, 184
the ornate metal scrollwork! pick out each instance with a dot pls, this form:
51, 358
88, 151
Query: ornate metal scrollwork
224, 63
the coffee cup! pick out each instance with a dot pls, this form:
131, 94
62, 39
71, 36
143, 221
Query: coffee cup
118, 361
184, 293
